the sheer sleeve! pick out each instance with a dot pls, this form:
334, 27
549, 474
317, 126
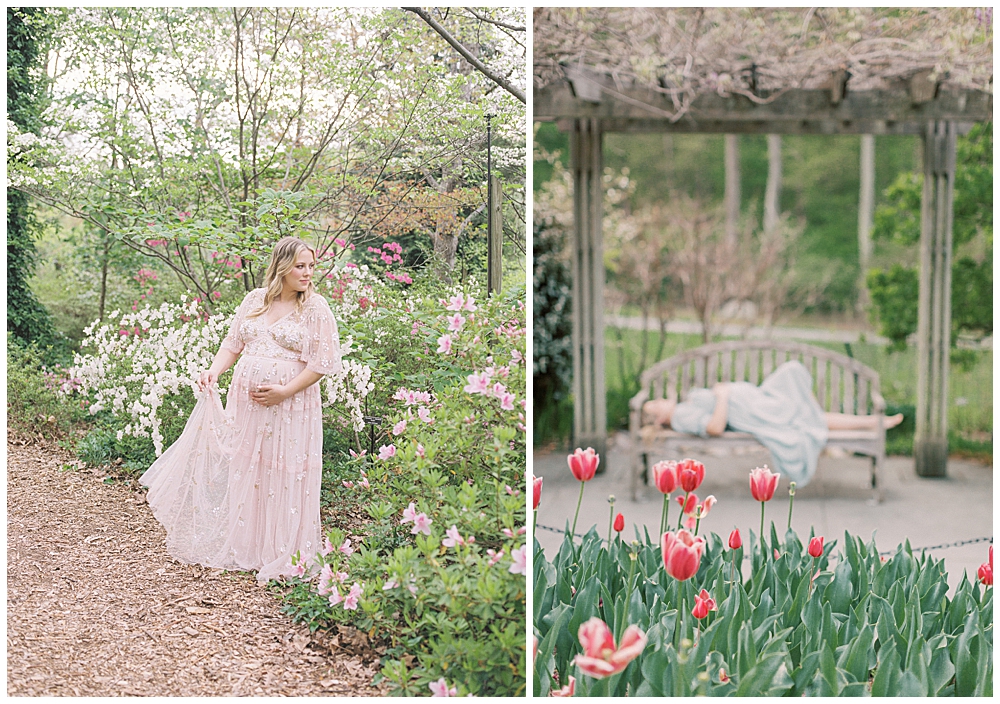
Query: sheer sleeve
234, 340
321, 347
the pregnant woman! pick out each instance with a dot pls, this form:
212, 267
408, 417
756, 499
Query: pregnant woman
781, 413
240, 487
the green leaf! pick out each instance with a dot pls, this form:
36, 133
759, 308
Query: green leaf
828, 669
838, 593
861, 655
887, 672
758, 679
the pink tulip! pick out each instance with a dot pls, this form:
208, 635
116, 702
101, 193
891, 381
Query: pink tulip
665, 476
583, 463
681, 553
703, 603
600, 658
536, 490
816, 547
763, 482
688, 503
567, 690
690, 474
706, 506
735, 541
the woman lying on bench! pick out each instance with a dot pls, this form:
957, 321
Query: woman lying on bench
781, 413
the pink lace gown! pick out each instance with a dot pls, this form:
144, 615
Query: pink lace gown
240, 487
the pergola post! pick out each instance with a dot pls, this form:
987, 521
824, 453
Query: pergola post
590, 407
930, 443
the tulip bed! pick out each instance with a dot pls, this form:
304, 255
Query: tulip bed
682, 615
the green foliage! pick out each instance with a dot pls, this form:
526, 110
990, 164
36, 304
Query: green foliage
28, 30
34, 403
894, 296
454, 612
864, 624
552, 359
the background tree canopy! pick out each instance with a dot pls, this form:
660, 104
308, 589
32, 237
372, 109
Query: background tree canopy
184, 137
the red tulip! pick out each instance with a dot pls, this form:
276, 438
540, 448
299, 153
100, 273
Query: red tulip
816, 547
600, 658
723, 677
681, 553
690, 474
703, 603
567, 690
763, 482
735, 541
665, 476
619, 523
706, 506
688, 504
583, 463
536, 489
986, 571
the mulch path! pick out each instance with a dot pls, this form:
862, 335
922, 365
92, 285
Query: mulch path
96, 606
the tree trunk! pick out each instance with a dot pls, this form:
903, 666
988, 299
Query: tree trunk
732, 197
445, 247
106, 256
866, 216
772, 194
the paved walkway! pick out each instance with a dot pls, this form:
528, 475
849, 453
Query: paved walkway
927, 511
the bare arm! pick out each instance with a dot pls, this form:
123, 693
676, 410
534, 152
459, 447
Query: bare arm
273, 394
224, 359
717, 423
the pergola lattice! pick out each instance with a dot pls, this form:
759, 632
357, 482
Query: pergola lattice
589, 101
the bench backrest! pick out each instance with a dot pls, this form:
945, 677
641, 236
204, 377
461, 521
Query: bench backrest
841, 384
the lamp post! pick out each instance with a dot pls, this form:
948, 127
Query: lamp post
489, 203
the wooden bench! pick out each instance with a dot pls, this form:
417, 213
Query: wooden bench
841, 385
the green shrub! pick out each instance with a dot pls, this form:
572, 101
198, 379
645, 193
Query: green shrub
34, 403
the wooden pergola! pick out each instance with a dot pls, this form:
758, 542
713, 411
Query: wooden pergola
587, 104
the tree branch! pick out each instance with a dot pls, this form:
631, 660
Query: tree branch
460, 48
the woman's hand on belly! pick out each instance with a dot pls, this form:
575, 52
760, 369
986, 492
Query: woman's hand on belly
269, 394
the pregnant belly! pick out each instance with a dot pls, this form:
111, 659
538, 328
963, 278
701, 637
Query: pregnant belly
251, 372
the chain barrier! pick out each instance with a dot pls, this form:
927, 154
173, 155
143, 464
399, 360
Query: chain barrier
942, 546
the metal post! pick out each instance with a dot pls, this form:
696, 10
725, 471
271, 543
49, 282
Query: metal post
489, 204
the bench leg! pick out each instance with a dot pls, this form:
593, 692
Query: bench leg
876, 477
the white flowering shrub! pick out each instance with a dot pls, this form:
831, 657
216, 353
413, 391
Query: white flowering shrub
134, 361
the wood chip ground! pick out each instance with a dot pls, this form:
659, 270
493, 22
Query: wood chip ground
96, 606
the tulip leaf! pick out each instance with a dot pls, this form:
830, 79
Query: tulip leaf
757, 680
967, 666
909, 686
828, 669
838, 593
887, 672
861, 655
746, 652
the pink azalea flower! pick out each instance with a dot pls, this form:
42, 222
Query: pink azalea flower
325, 580
421, 524
424, 414
364, 483
422, 397
339, 242
335, 597
420, 452
327, 547
409, 513
440, 689
391, 584
346, 548
512, 492
444, 344
399, 428
453, 539
298, 570
349, 485
520, 561
494, 556
477, 384
355, 455
507, 402
341, 577
351, 600
386, 451
456, 322
498, 389
516, 356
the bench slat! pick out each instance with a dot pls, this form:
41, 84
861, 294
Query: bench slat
835, 389
821, 383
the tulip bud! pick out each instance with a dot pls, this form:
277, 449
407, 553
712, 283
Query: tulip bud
619, 523
816, 547
536, 491
735, 541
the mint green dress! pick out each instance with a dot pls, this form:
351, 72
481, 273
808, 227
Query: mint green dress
781, 413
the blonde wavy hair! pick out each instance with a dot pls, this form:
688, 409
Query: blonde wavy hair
283, 257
